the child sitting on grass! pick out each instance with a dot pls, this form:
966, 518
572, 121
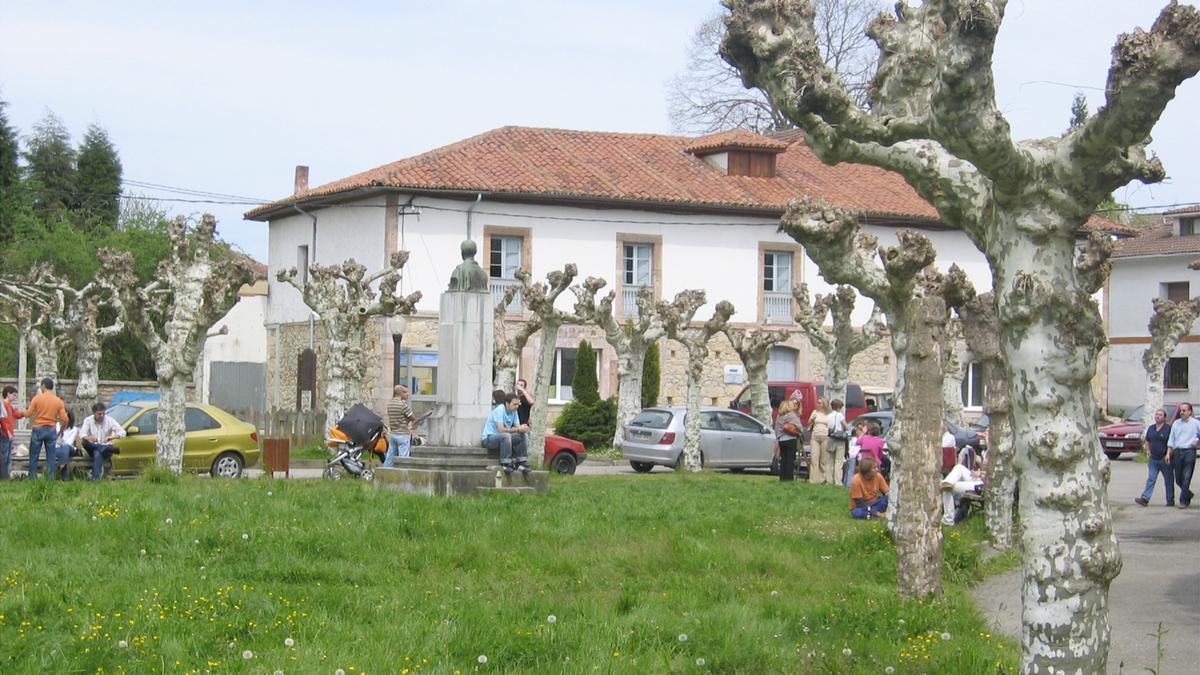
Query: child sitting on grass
868, 490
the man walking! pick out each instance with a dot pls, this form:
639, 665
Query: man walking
1155, 444
1181, 452
46, 409
97, 433
503, 431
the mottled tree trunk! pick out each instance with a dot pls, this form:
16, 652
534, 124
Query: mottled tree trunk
87, 362
916, 461
1051, 332
538, 417
629, 386
692, 457
45, 355
1168, 324
837, 379
345, 368
172, 408
760, 399
1001, 483
506, 374
953, 370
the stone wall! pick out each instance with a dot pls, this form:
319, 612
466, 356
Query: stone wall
873, 367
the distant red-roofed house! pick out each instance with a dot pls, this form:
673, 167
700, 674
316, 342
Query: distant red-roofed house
670, 212
1153, 264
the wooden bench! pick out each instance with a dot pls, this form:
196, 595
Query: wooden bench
80, 466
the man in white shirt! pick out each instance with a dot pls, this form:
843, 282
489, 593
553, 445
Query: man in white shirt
957, 483
97, 433
1181, 452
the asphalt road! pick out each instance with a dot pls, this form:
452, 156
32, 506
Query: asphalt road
1159, 581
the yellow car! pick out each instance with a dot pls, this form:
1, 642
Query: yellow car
215, 442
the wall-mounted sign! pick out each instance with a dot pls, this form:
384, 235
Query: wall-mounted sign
734, 374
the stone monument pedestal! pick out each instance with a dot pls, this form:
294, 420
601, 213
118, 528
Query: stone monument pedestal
454, 462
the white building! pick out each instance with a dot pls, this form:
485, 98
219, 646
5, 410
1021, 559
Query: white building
1152, 265
670, 212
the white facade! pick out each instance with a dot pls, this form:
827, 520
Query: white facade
1133, 285
246, 339
718, 253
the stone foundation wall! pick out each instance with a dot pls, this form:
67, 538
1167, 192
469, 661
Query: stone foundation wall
873, 367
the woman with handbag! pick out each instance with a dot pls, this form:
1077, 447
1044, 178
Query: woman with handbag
787, 431
836, 450
818, 426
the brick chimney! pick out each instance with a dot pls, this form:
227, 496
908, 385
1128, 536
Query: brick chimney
301, 179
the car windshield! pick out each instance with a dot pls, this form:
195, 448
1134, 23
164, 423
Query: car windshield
121, 413
652, 419
1137, 414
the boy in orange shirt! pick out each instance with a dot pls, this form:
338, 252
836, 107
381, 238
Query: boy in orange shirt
868, 490
45, 409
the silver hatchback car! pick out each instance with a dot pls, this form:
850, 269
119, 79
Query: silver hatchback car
728, 439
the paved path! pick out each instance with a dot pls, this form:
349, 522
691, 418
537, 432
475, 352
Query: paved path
1159, 581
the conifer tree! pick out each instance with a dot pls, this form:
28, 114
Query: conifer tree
585, 387
50, 166
650, 377
98, 180
10, 175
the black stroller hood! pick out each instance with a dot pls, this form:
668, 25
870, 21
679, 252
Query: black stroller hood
360, 424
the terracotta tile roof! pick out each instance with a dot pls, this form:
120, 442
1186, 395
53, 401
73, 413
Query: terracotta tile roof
645, 168
1194, 208
1156, 240
1110, 226
735, 139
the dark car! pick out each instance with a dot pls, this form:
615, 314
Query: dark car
1126, 435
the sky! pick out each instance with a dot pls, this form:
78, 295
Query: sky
228, 97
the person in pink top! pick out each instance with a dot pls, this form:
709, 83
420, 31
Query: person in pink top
871, 444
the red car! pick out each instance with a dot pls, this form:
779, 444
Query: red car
1126, 435
563, 454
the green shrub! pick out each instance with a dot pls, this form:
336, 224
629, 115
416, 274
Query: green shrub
593, 425
650, 377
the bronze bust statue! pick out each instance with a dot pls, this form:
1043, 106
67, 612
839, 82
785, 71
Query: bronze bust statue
468, 276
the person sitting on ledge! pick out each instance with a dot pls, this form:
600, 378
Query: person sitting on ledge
503, 431
868, 490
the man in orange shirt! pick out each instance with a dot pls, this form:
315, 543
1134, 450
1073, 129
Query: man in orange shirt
868, 490
45, 409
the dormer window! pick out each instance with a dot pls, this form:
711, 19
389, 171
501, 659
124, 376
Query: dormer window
739, 153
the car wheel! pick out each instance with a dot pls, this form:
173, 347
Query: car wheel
227, 465
641, 467
1112, 455
564, 462
333, 472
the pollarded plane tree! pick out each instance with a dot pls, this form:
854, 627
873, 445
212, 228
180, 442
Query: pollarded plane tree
172, 315
841, 343
26, 308
677, 318
753, 347
540, 299
88, 315
981, 331
507, 351
1170, 321
934, 120
343, 296
912, 296
630, 340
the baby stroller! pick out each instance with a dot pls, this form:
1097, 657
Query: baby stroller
359, 431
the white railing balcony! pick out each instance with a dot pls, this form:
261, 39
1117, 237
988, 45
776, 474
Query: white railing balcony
777, 307
629, 297
499, 287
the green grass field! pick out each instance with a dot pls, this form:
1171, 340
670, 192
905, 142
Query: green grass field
641, 574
